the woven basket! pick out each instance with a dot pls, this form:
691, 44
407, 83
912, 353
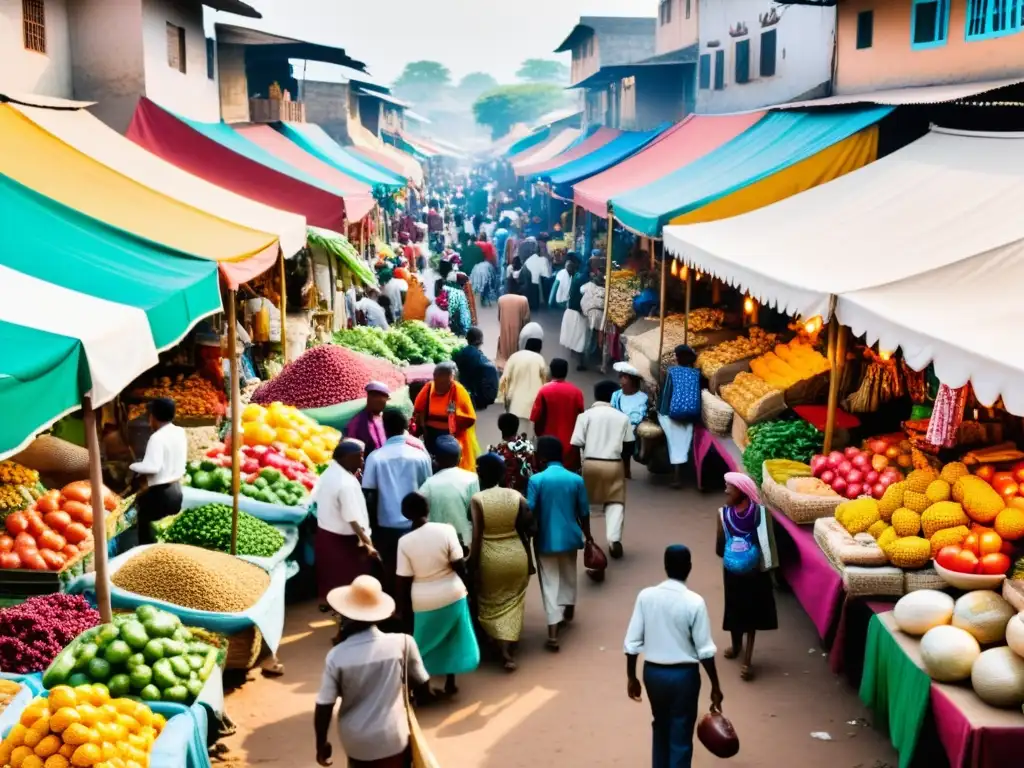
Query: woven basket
767, 408
923, 578
844, 550
873, 582
801, 508
244, 649
715, 413
649, 430
739, 433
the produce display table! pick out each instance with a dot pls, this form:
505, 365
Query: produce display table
704, 442
905, 700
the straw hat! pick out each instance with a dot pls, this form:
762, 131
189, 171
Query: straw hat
363, 600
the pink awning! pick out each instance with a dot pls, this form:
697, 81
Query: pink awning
358, 196
598, 139
691, 139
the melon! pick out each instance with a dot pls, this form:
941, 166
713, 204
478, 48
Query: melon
919, 611
984, 614
1015, 634
998, 678
949, 654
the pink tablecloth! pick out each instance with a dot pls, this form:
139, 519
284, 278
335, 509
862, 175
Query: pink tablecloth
704, 442
816, 584
973, 735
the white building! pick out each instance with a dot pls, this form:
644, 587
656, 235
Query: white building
755, 53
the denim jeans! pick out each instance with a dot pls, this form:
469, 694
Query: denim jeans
673, 693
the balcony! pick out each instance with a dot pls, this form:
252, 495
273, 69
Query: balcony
276, 110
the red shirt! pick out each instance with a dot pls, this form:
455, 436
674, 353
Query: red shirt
555, 410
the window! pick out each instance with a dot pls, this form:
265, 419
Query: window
994, 18
865, 29
769, 46
687, 8
211, 58
743, 61
176, 47
704, 76
719, 70
33, 15
665, 12
929, 23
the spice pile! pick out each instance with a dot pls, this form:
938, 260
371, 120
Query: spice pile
193, 578
624, 286
34, 633
193, 397
209, 527
327, 375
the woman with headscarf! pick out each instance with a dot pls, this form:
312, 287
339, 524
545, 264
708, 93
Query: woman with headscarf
500, 556
444, 407
746, 544
513, 315
462, 280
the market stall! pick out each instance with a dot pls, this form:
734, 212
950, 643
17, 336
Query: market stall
621, 147
314, 139
539, 153
591, 141
369, 146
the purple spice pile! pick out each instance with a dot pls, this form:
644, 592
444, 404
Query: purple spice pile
33, 633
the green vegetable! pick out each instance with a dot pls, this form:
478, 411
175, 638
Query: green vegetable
180, 666
140, 677
195, 687
271, 475
86, 653
154, 650
134, 633
98, 669
162, 625
793, 439
209, 527
163, 674
150, 693
176, 693
61, 668
79, 678
135, 660
117, 652
203, 480
120, 685
207, 466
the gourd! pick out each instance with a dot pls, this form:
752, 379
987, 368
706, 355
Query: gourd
920, 611
948, 653
1015, 634
998, 678
984, 614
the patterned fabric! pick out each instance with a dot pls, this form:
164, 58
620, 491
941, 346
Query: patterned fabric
520, 462
504, 567
681, 398
459, 317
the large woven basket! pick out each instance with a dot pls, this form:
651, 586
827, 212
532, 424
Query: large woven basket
844, 550
715, 413
801, 508
739, 433
873, 582
244, 649
767, 408
923, 578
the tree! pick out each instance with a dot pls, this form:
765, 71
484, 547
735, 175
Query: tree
423, 77
476, 83
543, 71
503, 107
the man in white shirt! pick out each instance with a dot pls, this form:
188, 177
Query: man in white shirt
599, 435
343, 547
394, 289
671, 627
373, 312
539, 268
162, 467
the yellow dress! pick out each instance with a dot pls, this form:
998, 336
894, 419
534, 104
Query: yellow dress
504, 567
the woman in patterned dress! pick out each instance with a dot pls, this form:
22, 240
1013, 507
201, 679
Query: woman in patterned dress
499, 557
517, 453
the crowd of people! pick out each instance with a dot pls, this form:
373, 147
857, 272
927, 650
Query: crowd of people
427, 542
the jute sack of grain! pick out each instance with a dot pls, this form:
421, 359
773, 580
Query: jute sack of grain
56, 460
873, 582
715, 413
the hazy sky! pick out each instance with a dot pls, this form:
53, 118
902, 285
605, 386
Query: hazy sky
465, 35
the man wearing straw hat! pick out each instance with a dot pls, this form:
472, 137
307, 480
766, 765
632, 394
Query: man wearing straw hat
368, 670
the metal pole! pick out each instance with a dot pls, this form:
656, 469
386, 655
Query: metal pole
837, 341
283, 308
661, 310
99, 523
605, 352
686, 317
236, 395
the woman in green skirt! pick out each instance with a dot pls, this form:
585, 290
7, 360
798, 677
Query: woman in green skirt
432, 592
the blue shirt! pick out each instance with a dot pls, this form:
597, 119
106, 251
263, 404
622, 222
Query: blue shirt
395, 470
557, 497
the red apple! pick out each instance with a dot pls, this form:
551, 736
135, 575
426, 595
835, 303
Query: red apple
853, 490
948, 557
870, 478
828, 477
994, 564
965, 562
851, 451
878, 490
854, 476
839, 485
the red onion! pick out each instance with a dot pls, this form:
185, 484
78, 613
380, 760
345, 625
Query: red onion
33, 633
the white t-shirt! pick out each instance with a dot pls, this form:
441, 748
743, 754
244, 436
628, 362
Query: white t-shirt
340, 501
426, 555
538, 267
600, 432
376, 317
393, 289
166, 455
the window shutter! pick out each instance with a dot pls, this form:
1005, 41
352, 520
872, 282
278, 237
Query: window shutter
865, 29
743, 61
33, 15
705, 71
769, 43
719, 70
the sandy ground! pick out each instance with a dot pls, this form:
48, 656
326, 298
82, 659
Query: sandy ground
572, 707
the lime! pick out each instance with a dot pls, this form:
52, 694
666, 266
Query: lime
118, 652
99, 669
120, 685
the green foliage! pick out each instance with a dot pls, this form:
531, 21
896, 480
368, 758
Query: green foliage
503, 107
422, 79
476, 83
543, 71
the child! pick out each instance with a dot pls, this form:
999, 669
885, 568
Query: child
633, 402
517, 451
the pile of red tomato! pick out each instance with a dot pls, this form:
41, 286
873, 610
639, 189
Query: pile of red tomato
54, 531
1009, 484
982, 552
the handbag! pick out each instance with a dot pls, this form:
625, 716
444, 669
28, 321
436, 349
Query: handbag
419, 749
684, 397
741, 554
594, 558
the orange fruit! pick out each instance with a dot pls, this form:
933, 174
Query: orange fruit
49, 745
19, 754
63, 696
1010, 523
77, 734
56, 761
86, 755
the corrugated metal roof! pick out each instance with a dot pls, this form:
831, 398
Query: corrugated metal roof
895, 97
608, 25
236, 7
383, 97
610, 73
286, 47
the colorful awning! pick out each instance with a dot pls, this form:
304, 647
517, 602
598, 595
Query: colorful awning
526, 142
779, 156
694, 137
42, 162
90, 136
265, 179
593, 141
545, 150
358, 196
619, 148
369, 145
315, 140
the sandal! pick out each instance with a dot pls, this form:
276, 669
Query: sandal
510, 665
552, 645
746, 673
273, 670
731, 653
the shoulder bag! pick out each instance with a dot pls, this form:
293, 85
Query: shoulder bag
422, 756
741, 554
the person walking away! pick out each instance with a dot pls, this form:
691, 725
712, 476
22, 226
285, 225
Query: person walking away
525, 373
557, 499
600, 433
559, 296
392, 472
161, 468
368, 670
540, 269
462, 280
479, 374
556, 409
487, 248
373, 313
499, 557
574, 331
343, 546
631, 400
482, 280
746, 544
450, 489
516, 451
530, 331
513, 315
592, 308
432, 594
394, 290
444, 407
679, 408
670, 626
367, 426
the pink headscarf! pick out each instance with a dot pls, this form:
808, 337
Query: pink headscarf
745, 485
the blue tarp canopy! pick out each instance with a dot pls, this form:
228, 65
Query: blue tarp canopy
315, 140
603, 158
773, 144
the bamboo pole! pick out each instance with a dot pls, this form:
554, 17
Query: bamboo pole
574, 226
605, 352
686, 317
99, 523
650, 248
282, 309
837, 341
236, 395
661, 313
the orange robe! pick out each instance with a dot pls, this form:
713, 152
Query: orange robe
416, 302
432, 411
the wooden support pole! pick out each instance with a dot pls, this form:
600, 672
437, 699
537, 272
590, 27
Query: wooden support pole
716, 292
99, 522
236, 396
573, 248
836, 341
282, 309
686, 309
605, 351
661, 311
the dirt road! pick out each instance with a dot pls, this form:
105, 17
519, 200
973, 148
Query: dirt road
571, 708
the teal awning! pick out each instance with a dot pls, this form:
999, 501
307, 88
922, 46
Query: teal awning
314, 140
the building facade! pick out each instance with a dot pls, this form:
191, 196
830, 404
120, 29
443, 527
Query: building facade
35, 48
678, 26
755, 53
895, 43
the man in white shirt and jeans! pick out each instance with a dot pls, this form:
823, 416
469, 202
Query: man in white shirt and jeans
671, 627
163, 466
